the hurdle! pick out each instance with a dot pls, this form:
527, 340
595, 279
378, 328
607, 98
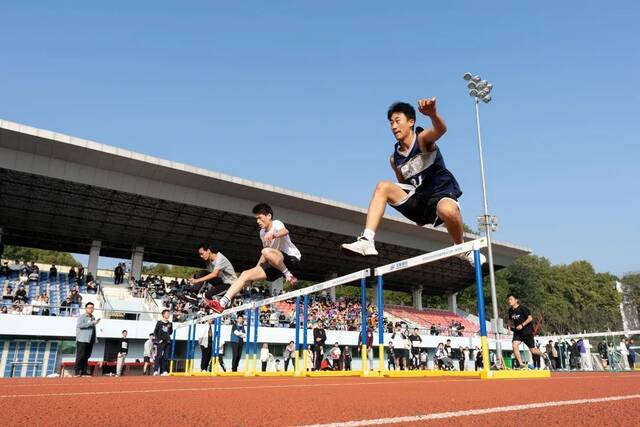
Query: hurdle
485, 373
252, 310
301, 369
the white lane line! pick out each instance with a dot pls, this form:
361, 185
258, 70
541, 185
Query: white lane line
473, 412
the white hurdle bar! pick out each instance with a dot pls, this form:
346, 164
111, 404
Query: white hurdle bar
432, 256
362, 274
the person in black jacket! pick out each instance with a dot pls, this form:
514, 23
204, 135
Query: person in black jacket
163, 332
238, 334
319, 338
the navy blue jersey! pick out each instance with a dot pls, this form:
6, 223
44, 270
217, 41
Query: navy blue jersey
426, 171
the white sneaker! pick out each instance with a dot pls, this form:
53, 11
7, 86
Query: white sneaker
361, 247
155, 374
469, 257
164, 374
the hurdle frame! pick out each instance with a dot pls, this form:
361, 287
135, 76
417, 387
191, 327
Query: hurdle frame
301, 369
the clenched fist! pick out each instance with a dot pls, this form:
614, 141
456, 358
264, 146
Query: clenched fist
427, 106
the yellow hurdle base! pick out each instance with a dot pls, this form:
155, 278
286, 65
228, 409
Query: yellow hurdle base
275, 374
514, 375
333, 373
420, 374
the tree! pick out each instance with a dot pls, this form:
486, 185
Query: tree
41, 256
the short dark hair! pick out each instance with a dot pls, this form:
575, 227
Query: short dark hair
88, 304
124, 330
402, 107
239, 316
512, 294
262, 209
204, 245
166, 310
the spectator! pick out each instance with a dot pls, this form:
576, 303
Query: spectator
85, 338
288, 355
461, 359
92, 286
162, 332
369, 347
80, 277
443, 359
574, 355
479, 359
76, 298
36, 305
71, 277
603, 351
24, 277
632, 354
391, 357
65, 309
447, 348
309, 358
4, 310
53, 272
149, 355
347, 358
206, 341
549, 350
34, 276
399, 340
238, 334
122, 354
424, 359
5, 270
264, 356
319, 338
624, 353
415, 341
585, 363
334, 357
21, 295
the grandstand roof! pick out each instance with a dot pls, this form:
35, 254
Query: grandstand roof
61, 192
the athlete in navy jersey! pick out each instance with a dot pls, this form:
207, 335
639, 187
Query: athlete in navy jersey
426, 192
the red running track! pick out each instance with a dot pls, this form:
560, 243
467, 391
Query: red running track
582, 399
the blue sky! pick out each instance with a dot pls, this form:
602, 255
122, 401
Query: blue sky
295, 94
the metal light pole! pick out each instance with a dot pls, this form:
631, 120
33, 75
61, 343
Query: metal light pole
479, 90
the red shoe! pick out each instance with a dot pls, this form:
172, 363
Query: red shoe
214, 305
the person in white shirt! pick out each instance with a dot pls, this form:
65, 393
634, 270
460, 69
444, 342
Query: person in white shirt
399, 341
148, 355
624, 352
278, 255
264, 356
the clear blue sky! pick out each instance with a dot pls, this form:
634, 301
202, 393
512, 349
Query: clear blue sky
295, 94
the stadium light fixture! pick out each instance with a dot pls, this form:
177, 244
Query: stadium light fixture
479, 90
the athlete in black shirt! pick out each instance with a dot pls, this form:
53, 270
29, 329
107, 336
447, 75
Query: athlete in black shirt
521, 324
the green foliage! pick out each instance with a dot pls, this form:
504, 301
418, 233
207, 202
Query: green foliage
632, 286
40, 256
568, 298
169, 270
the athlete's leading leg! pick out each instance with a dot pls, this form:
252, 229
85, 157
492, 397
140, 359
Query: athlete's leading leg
256, 273
385, 192
275, 258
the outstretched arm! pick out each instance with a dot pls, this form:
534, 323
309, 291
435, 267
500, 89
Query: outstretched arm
212, 275
428, 137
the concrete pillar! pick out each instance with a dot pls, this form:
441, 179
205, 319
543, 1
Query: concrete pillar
277, 286
94, 257
137, 258
417, 297
452, 302
332, 291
